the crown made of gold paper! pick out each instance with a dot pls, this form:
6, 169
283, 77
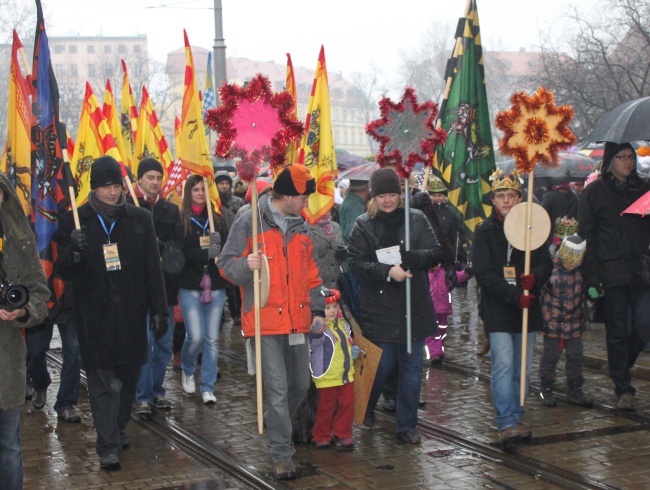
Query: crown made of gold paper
436, 185
510, 180
565, 226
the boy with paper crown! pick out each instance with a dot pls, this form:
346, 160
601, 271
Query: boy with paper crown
499, 271
332, 354
563, 312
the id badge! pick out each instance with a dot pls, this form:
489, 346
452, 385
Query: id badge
204, 242
296, 338
112, 257
510, 275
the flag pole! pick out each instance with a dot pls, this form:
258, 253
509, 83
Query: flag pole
256, 303
407, 247
524, 321
67, 174
129, 185
208, 201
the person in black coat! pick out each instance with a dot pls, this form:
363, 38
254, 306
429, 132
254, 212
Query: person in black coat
383, 294
499, 271
615, 245
169, 232
114, 264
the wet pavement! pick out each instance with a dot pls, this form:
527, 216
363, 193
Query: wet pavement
607, 447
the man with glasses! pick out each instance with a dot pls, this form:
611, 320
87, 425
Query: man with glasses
615, 243
499, 271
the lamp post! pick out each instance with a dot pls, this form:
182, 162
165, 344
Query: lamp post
219, 50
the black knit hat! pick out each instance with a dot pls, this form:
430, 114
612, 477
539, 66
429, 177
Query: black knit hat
105, 171
384, 181
610, 151
221, 175
147, 165
294, 180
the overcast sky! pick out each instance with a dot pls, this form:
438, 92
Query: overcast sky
357, 34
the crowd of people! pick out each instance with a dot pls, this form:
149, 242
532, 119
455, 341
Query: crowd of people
148, 282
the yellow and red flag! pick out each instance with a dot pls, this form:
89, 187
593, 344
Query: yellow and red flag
173, 189
17, 156
193, 151
150, 141
128, 115
317, 147
94, 139
110, 113
292, 154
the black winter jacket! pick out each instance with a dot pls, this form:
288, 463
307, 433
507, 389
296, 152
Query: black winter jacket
499, 300
382, 302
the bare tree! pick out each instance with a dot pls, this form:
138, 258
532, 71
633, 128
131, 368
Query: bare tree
603, 64
367, 94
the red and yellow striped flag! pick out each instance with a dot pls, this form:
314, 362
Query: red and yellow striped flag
16, 159
292, 154
128, 115
193, 151
94, 139
317, 147
110, 113
150, 141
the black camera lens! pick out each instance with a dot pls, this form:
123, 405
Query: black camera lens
17, 296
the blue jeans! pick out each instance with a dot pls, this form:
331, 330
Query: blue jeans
152, 372
505, 352
285, 381
202, 322
11, 452
38, 343
409, 382
623, 341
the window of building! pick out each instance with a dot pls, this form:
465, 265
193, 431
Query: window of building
59, 70
92, 70
72, 48
136, 48
59, 49
107, 48
90, 48
108, 71
73, 70
121, 48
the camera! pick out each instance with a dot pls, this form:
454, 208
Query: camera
13, 296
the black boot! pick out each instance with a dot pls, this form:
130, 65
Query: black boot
546, 396
576, 395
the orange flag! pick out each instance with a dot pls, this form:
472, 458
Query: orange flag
16, 159
128, 115
317, 147
193, 151
292, 154
150, 141
94, 139
110, 113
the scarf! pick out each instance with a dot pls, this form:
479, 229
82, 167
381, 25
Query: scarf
198, 210
392, 222
326, 227
107, 211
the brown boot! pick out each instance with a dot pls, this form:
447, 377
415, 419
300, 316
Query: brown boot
176, 361
484, 349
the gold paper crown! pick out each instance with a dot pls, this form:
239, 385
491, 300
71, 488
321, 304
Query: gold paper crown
436, 185
501, 181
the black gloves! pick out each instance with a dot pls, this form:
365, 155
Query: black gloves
451, 279
409, 260
215, 245
341, 253
158, 325
79, 242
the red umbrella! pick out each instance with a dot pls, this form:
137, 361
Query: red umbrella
640, 206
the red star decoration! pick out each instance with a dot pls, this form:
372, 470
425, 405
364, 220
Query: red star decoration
254, 125
406, 133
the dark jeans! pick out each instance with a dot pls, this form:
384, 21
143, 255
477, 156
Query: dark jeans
11, 452
623, 341
234, 301
551, 355
111, 392
409, 381
38, 343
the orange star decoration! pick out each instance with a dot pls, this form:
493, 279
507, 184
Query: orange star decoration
535, 130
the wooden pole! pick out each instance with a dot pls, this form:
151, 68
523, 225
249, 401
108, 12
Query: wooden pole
523, 388
256, 303
71, 193
129, 185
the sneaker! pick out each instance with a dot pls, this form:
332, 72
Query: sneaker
176, 361
344, 444
143, 409
188, 383
390, 405
70, 415
125, 439
39, 399
578, 397
409, 437
547, 398
626, 402
209, 398
322, 444
285, 470
110, 462
369, 420
161, 403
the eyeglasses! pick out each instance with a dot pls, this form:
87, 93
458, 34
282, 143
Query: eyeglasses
624, 157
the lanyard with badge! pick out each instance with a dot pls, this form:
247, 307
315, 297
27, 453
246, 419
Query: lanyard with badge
509, 272
111, 255
204, 240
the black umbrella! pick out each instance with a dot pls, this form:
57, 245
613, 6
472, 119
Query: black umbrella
573, 166
360, 172
627, 122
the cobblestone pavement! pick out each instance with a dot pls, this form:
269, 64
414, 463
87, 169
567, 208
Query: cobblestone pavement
603, 445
